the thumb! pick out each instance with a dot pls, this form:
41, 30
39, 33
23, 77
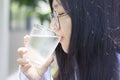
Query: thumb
48, 62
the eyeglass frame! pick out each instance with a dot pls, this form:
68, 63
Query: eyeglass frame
56, 16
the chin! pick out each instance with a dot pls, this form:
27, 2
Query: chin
64, 45
64, 49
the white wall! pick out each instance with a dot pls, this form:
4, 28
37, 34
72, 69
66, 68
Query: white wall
4, 38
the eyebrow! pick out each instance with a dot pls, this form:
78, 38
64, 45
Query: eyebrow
55, 5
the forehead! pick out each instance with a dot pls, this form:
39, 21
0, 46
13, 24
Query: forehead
56, 3
57, 6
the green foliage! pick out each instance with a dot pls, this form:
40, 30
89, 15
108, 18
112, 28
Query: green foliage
30, 3
43, 17
30, 12
31, 8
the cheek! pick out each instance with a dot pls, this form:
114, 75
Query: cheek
60, 9
66, 27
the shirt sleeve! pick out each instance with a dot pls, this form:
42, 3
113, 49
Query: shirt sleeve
46, 75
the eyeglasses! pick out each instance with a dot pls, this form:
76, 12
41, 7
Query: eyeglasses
55, 16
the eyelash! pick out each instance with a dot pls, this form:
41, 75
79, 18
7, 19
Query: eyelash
61, 14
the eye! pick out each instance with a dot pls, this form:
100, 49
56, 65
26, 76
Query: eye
62, 14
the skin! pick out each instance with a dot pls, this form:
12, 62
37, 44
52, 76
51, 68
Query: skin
32, 72
65, 25
35, 73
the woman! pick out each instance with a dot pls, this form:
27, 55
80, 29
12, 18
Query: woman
86, 50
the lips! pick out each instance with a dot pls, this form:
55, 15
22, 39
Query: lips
60, 37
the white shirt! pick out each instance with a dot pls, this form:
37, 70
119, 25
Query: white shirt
46, 76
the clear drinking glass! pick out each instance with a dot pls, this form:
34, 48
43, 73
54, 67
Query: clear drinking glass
41, 45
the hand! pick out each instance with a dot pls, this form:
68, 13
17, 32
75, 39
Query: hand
32, 72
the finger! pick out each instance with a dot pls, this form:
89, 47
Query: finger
22, 62
53, 25
22, 51
26, 38
26, 67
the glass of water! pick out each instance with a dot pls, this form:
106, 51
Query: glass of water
41, 45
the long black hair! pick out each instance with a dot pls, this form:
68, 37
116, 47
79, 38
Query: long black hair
91, 54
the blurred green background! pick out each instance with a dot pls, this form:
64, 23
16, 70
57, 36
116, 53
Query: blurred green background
24, 11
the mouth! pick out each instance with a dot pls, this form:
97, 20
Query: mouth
60, 38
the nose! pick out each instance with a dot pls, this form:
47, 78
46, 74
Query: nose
53, 25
